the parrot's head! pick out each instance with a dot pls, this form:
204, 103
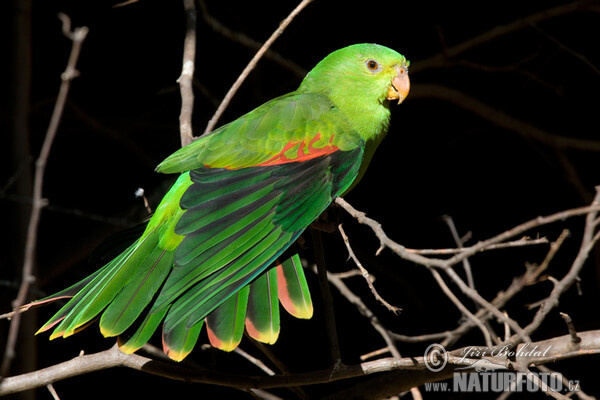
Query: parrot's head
361, 80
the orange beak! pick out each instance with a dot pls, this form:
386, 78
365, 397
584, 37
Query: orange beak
400, 86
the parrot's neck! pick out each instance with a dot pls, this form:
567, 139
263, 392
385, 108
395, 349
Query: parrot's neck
371, 120
367, 113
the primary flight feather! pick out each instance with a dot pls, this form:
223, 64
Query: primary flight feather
244, 194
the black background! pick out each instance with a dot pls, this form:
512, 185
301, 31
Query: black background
438, 159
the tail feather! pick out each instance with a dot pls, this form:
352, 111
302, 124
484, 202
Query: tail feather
101, 291
133, 299
262, 318
67, 311
143, 332
208, 294
225, 325
122, 291
178, 343
64, 294
293, 288
93, 298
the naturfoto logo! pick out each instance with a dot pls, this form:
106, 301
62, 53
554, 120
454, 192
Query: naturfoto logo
491, 373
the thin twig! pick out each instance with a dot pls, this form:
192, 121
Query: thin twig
568, 50
52, 391
575, 340
515, 243
365, 273
461, 307
77, 36
187, 74
348, 274
475, 296
375, 353
267, 352
589, 240
553, 249
236, 85
460, 244
506, 328
428, 337
254, 361
530, 276
365, 311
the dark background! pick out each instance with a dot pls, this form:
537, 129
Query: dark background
439, 159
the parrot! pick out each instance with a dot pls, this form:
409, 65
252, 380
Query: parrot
210, 254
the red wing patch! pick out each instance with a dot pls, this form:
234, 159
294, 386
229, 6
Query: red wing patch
300, 151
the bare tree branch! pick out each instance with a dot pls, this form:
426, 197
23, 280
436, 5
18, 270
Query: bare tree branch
365, 311
187, 74
530, 277
525, 241
559, 348
77, 36
365, 273
522, 334
575, 340
461, 307
590, 238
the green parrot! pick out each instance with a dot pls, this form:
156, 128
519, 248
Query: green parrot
246, 191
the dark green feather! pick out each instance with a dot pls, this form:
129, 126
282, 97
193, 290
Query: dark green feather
262, 317
225, 325
294, 294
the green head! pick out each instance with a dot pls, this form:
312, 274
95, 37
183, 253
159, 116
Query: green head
361, 80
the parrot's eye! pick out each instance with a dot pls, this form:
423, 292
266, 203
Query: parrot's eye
372, 65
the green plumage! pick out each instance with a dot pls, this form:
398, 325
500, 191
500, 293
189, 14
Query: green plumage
262, 318
225, 324
293, 289
244, 195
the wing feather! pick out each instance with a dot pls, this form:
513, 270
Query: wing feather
223, 263
293, 288
266, 133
